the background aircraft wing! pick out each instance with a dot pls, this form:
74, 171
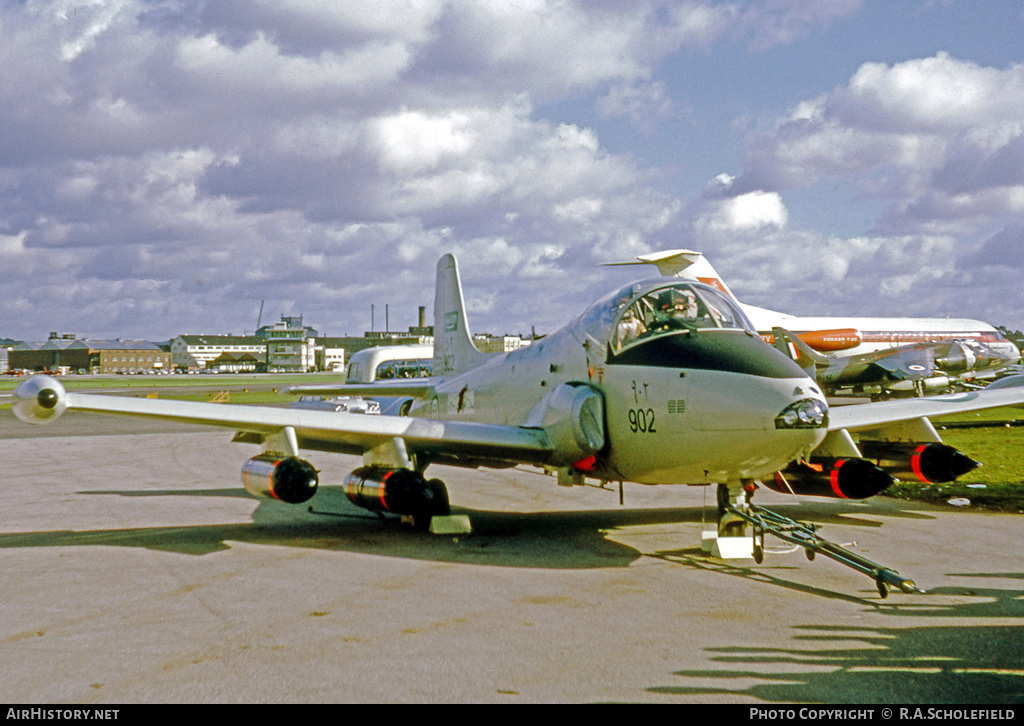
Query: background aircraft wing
909, 364
41, 399
877, 415
412, 387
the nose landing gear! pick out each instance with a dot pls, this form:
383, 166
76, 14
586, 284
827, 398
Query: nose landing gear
735, 512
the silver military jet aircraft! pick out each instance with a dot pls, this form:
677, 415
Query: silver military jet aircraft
663, 381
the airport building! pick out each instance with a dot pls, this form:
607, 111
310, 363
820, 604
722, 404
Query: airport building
196, 352
235, 363
331, 354
499, 343
285, 346
129, 356
68, 354
290, 346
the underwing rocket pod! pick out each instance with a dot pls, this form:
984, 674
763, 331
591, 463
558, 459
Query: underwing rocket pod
843, 478
287, 479
929, 462
396, 491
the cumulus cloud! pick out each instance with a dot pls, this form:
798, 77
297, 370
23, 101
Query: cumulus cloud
723, 212
937, 142
202, 157
929, 95
645, 105
166, 166
777, 22
1003, 249
12, 244
939, 138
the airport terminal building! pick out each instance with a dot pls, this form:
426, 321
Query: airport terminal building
197, 352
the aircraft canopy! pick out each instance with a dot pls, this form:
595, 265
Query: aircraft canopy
643, 311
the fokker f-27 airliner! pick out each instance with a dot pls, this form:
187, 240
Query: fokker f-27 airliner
663, 381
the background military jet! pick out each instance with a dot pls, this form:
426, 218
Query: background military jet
913, 369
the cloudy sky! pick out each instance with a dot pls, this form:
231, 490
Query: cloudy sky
166, 165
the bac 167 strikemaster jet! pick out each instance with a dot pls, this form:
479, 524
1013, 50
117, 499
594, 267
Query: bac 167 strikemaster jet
663, 381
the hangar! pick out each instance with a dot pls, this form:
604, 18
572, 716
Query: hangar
91, 356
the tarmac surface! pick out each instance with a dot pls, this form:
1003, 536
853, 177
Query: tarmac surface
136, 569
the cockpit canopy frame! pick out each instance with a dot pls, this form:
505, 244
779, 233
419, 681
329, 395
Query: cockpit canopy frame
644, 310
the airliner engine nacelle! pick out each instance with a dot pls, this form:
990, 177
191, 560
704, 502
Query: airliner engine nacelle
396, 491
285, 478
39, 400
829, 341
929, 461
826, 476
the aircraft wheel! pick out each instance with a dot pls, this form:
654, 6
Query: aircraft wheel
723, 498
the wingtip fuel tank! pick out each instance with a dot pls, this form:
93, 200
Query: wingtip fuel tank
39, 400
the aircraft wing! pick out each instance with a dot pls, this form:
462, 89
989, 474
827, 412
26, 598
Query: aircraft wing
41, 398
908, 365
878, 415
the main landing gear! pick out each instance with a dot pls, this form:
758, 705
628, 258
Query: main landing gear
735, 512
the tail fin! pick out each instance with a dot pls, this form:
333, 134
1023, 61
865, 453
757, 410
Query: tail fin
804, 356
686, 264
454, 350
